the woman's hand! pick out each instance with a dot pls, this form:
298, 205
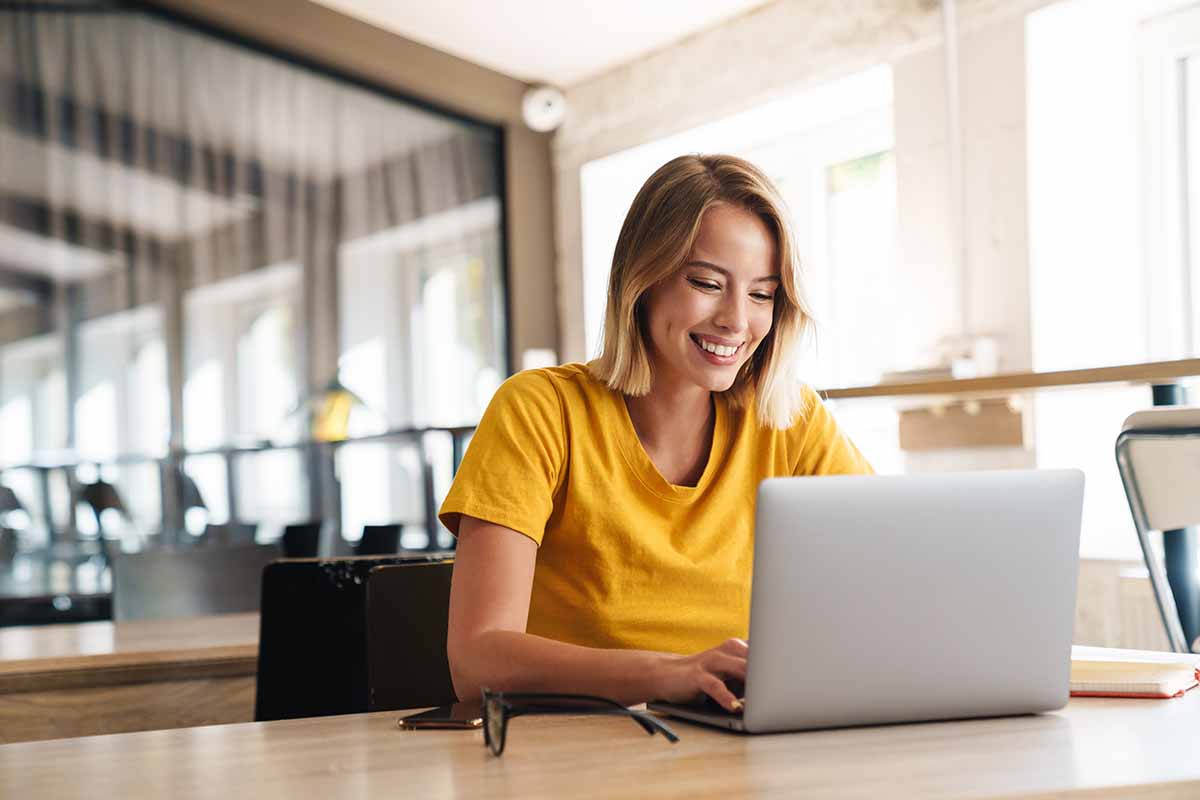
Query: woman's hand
686, 679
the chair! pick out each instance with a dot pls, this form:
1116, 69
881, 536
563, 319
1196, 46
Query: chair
408, 613
8, 536
312, 643
100, 496
1158, 457
301, 540
188, 583
379, 540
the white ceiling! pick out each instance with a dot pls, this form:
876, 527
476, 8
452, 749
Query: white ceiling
539, 41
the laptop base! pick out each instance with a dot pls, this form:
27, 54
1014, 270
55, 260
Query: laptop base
691, 713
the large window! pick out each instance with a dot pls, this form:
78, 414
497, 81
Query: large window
33, 411
422, 345
199, 239
242, 374
33, 421
1111, 272
122, 403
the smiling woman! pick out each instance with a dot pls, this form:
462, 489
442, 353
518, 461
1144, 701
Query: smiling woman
605, 511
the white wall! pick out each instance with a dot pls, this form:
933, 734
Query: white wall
992, 109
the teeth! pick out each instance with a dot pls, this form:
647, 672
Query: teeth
720, 350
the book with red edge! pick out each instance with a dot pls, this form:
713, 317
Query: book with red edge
1109, 672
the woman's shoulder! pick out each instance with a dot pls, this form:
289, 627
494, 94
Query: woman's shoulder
547, 381
565, 387
805, 405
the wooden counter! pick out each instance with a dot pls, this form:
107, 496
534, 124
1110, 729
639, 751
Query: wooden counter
105, 677
1014, 382
1095, 747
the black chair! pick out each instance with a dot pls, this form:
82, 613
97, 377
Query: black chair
100, 496
407, 618
312, 643
379, 540
301, 540
155, 584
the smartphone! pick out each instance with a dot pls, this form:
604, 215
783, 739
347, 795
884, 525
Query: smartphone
460, 716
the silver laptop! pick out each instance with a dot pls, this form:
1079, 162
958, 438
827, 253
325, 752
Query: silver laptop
881, 599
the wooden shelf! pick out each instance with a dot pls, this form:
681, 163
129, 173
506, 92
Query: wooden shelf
1153, 372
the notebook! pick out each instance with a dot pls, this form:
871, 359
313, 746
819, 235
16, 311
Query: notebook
1106, 672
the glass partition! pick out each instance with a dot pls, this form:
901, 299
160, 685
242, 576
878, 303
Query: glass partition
197, 239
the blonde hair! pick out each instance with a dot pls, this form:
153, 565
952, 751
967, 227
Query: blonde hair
656, 237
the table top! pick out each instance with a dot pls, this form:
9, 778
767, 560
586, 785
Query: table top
1092, 745
106, 653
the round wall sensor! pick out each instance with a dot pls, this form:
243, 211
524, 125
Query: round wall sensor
543, 108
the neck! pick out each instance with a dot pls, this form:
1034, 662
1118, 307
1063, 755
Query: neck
670, 413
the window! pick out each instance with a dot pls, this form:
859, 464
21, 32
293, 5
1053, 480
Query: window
422, 344
1169, 58
1107, 197
421, 323
32, 398
859, 302
242, 373
209, 255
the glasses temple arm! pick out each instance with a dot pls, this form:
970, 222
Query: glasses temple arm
652, 724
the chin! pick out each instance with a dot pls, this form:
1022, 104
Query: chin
718, 381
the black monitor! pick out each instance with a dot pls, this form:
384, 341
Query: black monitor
312, 646
407, 617
157, 584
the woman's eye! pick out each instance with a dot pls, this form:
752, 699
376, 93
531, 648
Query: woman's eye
763, 297
707, 285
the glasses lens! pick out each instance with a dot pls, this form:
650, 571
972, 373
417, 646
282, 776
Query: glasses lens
494, 725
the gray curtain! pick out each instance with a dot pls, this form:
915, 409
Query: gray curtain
160, 159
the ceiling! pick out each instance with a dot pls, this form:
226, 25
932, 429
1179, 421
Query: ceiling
560, 43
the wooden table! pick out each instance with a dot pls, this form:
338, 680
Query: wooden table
1094, 747
104, 677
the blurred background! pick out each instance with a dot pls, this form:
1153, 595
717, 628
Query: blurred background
263, 264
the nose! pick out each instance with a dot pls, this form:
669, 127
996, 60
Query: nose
732, 314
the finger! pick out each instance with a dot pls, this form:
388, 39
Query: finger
726, 666
738, 647
715, 688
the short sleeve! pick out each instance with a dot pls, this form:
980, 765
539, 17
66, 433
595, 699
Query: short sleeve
515, 461
820, 446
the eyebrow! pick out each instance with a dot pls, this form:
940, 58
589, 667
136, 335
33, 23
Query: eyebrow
725, 272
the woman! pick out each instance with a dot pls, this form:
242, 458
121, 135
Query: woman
605, 512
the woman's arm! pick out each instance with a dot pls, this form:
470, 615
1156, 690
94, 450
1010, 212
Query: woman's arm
487, 644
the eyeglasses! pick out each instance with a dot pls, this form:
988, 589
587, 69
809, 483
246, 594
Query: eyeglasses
500, 707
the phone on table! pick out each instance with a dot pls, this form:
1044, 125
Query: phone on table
460, 716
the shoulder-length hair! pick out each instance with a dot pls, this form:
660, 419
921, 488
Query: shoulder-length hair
655, 240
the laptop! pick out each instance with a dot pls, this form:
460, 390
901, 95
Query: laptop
882, 599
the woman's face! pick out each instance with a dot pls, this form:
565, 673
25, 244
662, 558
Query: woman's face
707, 319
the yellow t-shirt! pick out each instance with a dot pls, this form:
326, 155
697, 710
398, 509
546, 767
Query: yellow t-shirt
626, 559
